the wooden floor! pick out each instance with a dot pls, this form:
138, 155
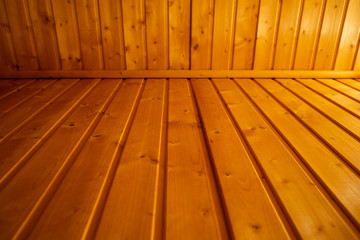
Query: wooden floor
180, 159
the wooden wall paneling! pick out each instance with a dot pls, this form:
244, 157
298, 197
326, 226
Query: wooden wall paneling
112, 32
157, 34
266, 34
287, 34
179, 34
90, 34
357, 60
8, 59
223, 34
245, 33
330, 34
134, 34
45, 33
67, 34
350, 37
202, 16
22, 33
311, 21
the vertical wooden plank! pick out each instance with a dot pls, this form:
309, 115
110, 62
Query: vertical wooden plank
202, 15
357, 60
266, 34
8, 59
330, 34
67, 33
22, 33
245, 33
89, 31
287, 34
134, 34
111, 19
179, 34
223, 34
45, 33
350, 37
309, 33
157, 34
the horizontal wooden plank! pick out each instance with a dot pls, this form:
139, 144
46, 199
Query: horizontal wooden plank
180, 74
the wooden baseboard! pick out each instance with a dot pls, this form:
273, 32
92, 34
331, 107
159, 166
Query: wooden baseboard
180, 74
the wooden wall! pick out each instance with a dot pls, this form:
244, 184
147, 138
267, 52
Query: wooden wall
179, 34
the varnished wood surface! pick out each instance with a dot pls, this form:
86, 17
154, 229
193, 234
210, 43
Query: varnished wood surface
166, 158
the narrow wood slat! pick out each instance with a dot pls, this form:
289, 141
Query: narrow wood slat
22, 94
157, 35
338, 179
35, 132
332, 111
357, 59
137, 189
344, 89
49, 164
266, 34
336, 138
346, 55
297, 191
67, 34
179, 34
309, 33
13, 86
19, 116
134, 34
22, 34
112, 32
351, 83
245, 34
90, 34
223, 34
330, 34
4, 81
339, 99
43, 23
287, 34
189, 173
202, 17
251, 214
8, 59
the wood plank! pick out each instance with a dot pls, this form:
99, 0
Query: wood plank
22, 34
357, 60
137, 188
310, 27
336, 138
67, 34
111, 19
43, 23
335, 97
20, 115
181, 74
288, 32
157, 35
330, 34
351, 83
30, 137
245, 34
342, 88
22, 94
189, 173
338, 115
13, 86
341, 183
346, 55
179, 34
266, 34
134, 34
250, 210
90, 34
202, 17
298, 192
223, 34
8, 59
50, 163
